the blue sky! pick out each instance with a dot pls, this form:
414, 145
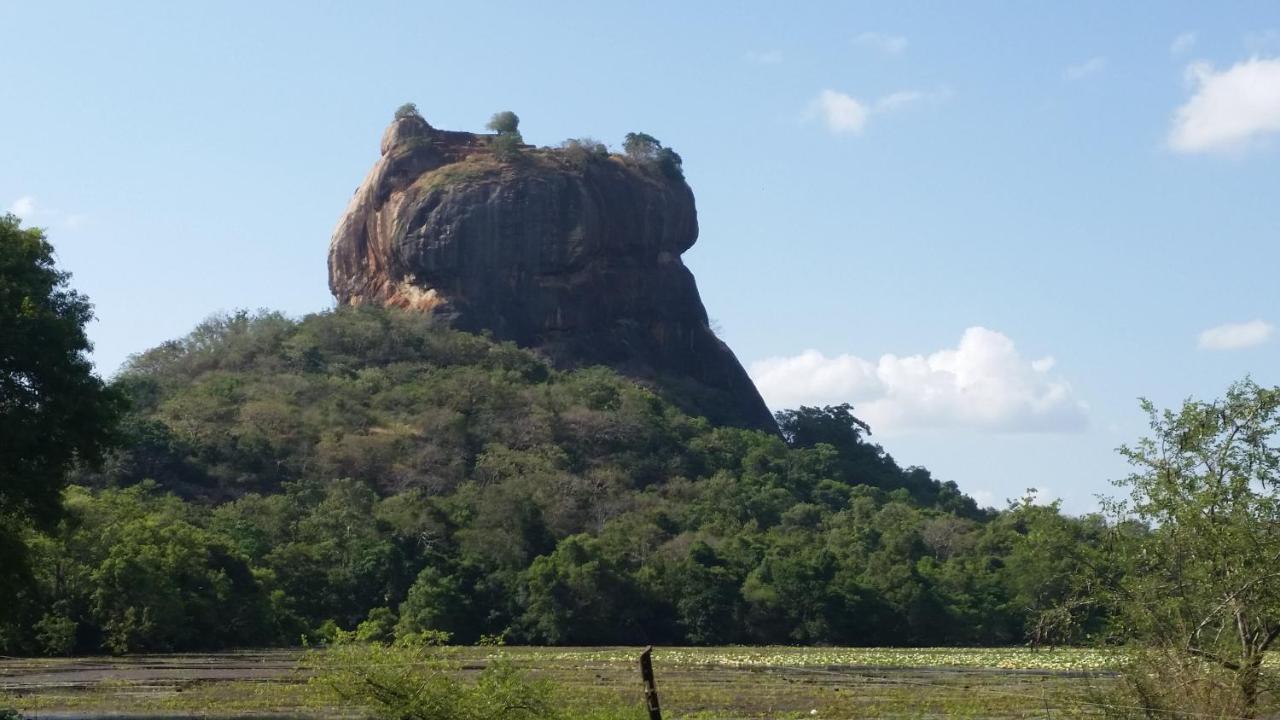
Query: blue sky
990, 227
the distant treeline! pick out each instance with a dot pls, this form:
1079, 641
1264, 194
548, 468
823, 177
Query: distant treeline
281, 479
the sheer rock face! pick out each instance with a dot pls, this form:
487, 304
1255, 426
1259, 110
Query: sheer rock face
574, 255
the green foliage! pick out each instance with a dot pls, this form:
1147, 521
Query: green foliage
54, 411
379, 627
580, 151
504, 123
670, 162
508, 143
1198, 541
507, 146
56, 634
423, 683
407, 110
361, 474
647, 149
641, 146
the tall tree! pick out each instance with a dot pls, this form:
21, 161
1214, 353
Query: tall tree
1203, 585
53, 409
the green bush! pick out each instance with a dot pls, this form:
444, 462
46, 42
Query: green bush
641, 146
378, 628
670, 163
425, 683
580, 151
504, 123
407, 110
507, 146
56, 634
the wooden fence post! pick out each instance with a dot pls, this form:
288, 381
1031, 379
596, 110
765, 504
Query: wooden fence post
650, 688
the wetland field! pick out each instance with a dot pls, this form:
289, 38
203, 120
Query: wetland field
720, 682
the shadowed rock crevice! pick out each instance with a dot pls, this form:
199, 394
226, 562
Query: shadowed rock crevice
576, 255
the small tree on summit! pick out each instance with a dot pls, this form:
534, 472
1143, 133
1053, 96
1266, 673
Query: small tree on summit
507, 124
641, 146
407, 110
504, 123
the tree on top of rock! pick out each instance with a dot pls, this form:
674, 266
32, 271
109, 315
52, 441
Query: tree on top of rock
504, 123
641, 146
646, 148
507, 124
407, 110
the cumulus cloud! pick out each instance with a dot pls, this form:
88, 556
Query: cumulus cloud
1235, 336
31, 211
1182, 43
844, 114
1092, 66
24, 207
1230, 108
983, 384
882, 42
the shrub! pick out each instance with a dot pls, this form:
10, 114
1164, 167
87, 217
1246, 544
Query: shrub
1167, 683
641, 146
507, 146
407, 110
670, 163
56, 634
424, 638
580, 151
378, 628
425, 683
504, 123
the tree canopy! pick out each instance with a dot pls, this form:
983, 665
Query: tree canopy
363, 468
504, 123
1201, 584
53, 410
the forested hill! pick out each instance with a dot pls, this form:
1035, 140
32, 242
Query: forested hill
246, 403
359, 467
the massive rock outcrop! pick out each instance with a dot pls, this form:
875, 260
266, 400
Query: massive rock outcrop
573, 253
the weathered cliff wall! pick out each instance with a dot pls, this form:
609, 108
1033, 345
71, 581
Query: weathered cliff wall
574, 254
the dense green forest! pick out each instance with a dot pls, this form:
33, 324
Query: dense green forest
364, 476
278, 479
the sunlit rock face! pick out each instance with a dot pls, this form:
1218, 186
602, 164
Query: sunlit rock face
575, 255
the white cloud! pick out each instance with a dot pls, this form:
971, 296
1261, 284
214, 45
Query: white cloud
1182, 43
763, 57
1092, 66
1234, 336
845, 114
982, 384
29, 210
1230, 109
906, 98
899, 99
842, 113
24, 207
882, 42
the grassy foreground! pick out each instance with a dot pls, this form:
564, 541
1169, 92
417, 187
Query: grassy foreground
737, 682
